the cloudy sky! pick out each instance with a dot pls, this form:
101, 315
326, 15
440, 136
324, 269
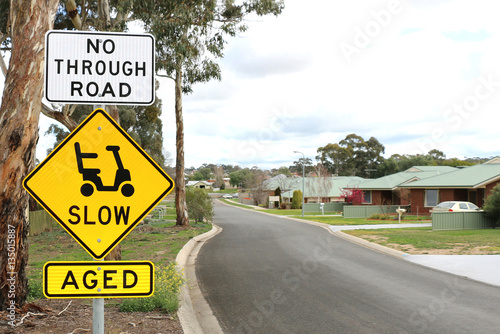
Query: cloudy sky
415, 74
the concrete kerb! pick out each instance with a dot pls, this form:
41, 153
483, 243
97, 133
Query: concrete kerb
340, 234
202, 320
374, 246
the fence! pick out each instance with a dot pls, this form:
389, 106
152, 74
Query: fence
328, 207
461, 221
41, 221
365, 211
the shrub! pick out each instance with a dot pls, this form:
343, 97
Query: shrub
297, 199
35, 286
353, 195
168, 282
283, 206
199, 204
381, 216
277, 192
492, 204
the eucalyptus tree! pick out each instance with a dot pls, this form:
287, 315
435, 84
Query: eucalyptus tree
190, 39
352, 155
28, 20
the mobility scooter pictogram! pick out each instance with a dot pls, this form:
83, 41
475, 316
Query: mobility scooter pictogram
92, 174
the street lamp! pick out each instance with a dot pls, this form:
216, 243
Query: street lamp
303, 176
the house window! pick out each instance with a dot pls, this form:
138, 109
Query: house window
367, 196
431, 197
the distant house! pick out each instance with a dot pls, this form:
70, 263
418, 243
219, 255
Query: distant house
321, 189
199, 184
472, 184
387, 190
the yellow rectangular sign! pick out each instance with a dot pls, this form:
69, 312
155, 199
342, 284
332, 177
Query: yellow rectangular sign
98, 279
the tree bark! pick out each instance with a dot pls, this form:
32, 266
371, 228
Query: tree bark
19, 115
180, 183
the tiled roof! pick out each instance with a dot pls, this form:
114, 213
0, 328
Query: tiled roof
412, 174
476, 176
323, 186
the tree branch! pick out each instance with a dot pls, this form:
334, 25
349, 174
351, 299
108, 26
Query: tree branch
67, 121
164, 76
73, 14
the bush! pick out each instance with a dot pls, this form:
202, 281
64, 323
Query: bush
381, 216
35, 290
492, 204
168, 282
199, 205
277, 192
297, 199
283, 206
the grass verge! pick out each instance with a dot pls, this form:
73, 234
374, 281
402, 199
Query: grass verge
157, 241
422, 240
332, 218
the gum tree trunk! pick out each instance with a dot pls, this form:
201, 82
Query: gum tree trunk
19, 115
180, 183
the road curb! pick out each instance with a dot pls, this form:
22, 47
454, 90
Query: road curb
372, 245
202, 320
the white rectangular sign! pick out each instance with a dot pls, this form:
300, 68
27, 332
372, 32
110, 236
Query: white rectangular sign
88, 67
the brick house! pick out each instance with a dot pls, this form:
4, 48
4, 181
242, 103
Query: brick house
472, 184
387, 190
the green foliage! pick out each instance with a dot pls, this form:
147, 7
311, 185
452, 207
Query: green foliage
277, 192
35, 284
242, 178
297, 199
381, 216
492, 204
199, 204
399, 163
191, 35
202, 174
351, 156
168, 282
297, 166
4, 17
282, 171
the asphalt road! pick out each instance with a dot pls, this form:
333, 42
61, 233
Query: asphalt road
267, 274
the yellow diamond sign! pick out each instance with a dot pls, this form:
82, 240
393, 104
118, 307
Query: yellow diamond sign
98, 184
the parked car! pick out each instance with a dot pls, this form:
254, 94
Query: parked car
452, 206
227, 196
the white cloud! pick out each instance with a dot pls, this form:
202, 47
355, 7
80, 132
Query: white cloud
287, 84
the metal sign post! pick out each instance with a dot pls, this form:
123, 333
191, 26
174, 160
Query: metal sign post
98, 303
98, 314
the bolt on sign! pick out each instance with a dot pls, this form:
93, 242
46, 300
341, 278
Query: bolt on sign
84, 67
92, 279
98, 184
